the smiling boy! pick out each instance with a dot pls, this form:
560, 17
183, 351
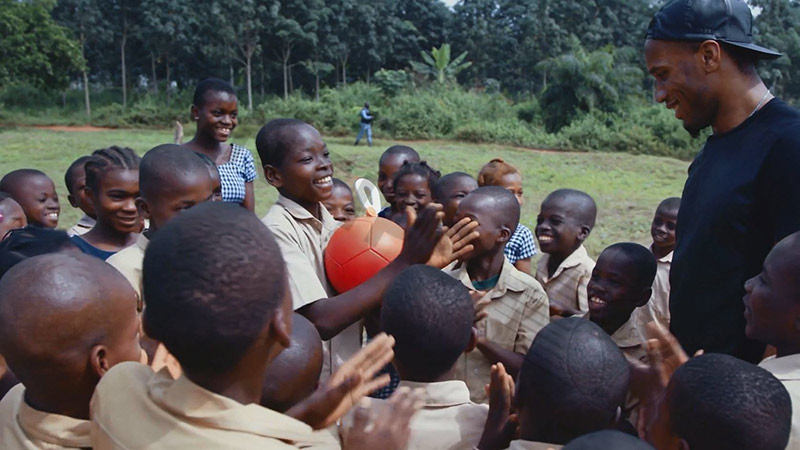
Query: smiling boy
565, 220
36, 194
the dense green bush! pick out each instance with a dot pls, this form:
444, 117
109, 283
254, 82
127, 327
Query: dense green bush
433, 112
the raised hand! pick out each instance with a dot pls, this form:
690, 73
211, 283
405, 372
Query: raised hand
387, 428
500, 423
422, 234
454, 243
347, 386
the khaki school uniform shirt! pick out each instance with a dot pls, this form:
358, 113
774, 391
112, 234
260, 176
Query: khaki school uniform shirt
448, 421
530, 445
568, 284
518, 310
631, 340
135, 408
128, 262
657, 308
22, 427
82, 227
302, 240
787, 369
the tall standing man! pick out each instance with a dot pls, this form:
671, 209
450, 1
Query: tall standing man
366, 125
743, 191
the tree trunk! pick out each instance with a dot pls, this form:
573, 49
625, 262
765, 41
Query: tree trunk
249, 56
122, 58
286, 54
169, 84
153, 69
64, 99
230, 66
336, 69
291, 78
316, 85
368, 71
86, 99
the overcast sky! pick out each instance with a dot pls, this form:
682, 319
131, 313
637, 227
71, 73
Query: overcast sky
449, 2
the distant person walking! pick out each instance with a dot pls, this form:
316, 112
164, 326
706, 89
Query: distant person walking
366, 125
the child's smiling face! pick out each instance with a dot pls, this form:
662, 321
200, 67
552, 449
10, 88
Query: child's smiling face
663, 228
512, 182
11, 217
218, 115
412, 190
39, 200
613, 291
115, 200
306, 173
388, 166
341, 204
558, 229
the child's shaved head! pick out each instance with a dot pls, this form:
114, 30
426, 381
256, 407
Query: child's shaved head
213, 278
277, 138
573, 381
430, 315
162, 168
404, 152
504, 206
580, 204
718, 401
294, 374
61, 314
671, 204
12, 216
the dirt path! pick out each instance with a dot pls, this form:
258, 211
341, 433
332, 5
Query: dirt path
71, 128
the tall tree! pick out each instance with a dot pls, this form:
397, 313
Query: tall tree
295, 31
169, 29
84, 18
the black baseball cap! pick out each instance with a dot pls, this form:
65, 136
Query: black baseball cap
728, 21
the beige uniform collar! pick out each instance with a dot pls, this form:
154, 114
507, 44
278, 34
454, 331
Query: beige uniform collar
201, 407
629, 335
573, 260
442, 394
86, 222
53, 428
666, 259
785, 368
300, 213
142, 242
508, 281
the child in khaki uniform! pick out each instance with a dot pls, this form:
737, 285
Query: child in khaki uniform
65, 319
621, 282
564, 222
514, 304
224, 311
75, 180
772, 311
430, 315
297, 163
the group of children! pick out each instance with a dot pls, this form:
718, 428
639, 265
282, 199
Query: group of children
170, 319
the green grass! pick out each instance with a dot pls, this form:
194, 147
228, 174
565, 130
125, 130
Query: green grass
627, 188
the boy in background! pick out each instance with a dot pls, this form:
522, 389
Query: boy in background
565, 220
36, 194
75, 180
341, 204
514, 304
389, 163
12, 216
450, 190
663, 232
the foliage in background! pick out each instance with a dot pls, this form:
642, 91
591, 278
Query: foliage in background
437, 64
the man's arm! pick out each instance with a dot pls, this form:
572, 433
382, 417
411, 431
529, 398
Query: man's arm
497, 354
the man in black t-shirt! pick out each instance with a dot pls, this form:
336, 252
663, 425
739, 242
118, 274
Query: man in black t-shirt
743, 191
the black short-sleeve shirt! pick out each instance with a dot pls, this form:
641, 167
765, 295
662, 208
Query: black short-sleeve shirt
742, 196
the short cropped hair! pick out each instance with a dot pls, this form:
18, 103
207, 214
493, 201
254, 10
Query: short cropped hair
411, 155
444, 183
274, 140
337, 183
422, 169
212, 279
575, 375
608, 439
161, 163
670, 204
12, 180
430, 315
69, 176
642, 262
491, 173
105, 159
587, 208
210, 85
718, 401
506, 205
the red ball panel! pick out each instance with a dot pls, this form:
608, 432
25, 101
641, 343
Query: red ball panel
360, 249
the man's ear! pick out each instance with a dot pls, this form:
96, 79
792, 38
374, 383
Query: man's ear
99, 360
72, 200
644, 297
473, 340
710, 54
195, 114
273, 175
143, 207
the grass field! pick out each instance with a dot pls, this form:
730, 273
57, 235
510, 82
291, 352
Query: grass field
627, 188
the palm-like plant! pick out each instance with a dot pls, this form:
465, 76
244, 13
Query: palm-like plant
437, 64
